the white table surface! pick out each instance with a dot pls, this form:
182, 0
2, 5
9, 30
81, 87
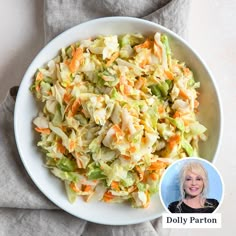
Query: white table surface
212, 34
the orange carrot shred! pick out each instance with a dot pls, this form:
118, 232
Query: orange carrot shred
126, 157
147, 44
76, 104
183, 94
115, 185
156, 165
87, 188
169, 74
112, 59
107, 196
139, 83
39, 76
173, 141
154, 176
76, 60
60, 147
161, 109
74, 187
132, 149
177, 114
43, 130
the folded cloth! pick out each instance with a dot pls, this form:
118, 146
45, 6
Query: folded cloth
24, 210
61, 15
17, 190
58, 223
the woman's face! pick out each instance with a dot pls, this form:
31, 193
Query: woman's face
193, 184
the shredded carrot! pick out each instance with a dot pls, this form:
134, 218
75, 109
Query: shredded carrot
157, 165
186, 71
67, 62
174, 140
139, 83
37, 88
72, 145
161, 109
107, 196
67, 97
43, 130
39, 76
177, 114
76, 104
74, 187
60, 147
76, 59
87, 188
132, 149
63, 128
169, 74
126, 157
130, 83
118, 130
138, 169
154, 176
180, 114
183, 94
112, 59
145, 176
186, 122
147, 44
144, 140
144, 62
126, 89
115, 185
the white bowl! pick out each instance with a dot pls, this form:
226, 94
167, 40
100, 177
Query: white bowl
26, 109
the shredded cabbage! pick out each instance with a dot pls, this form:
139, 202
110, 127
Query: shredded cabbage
118, 110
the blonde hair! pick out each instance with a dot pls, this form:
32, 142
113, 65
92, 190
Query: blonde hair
196, 168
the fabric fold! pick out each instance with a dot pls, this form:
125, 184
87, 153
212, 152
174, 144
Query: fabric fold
39, 222
173, 15
62, 15
17, 189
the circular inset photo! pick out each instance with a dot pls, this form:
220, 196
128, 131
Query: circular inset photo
191, 185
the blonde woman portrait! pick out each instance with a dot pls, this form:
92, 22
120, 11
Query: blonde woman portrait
192, 195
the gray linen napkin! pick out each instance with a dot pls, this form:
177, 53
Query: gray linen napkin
24, 210
61, 15
17, 190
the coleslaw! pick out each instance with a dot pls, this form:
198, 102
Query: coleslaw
117, 111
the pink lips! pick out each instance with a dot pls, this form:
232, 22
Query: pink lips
193, 189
